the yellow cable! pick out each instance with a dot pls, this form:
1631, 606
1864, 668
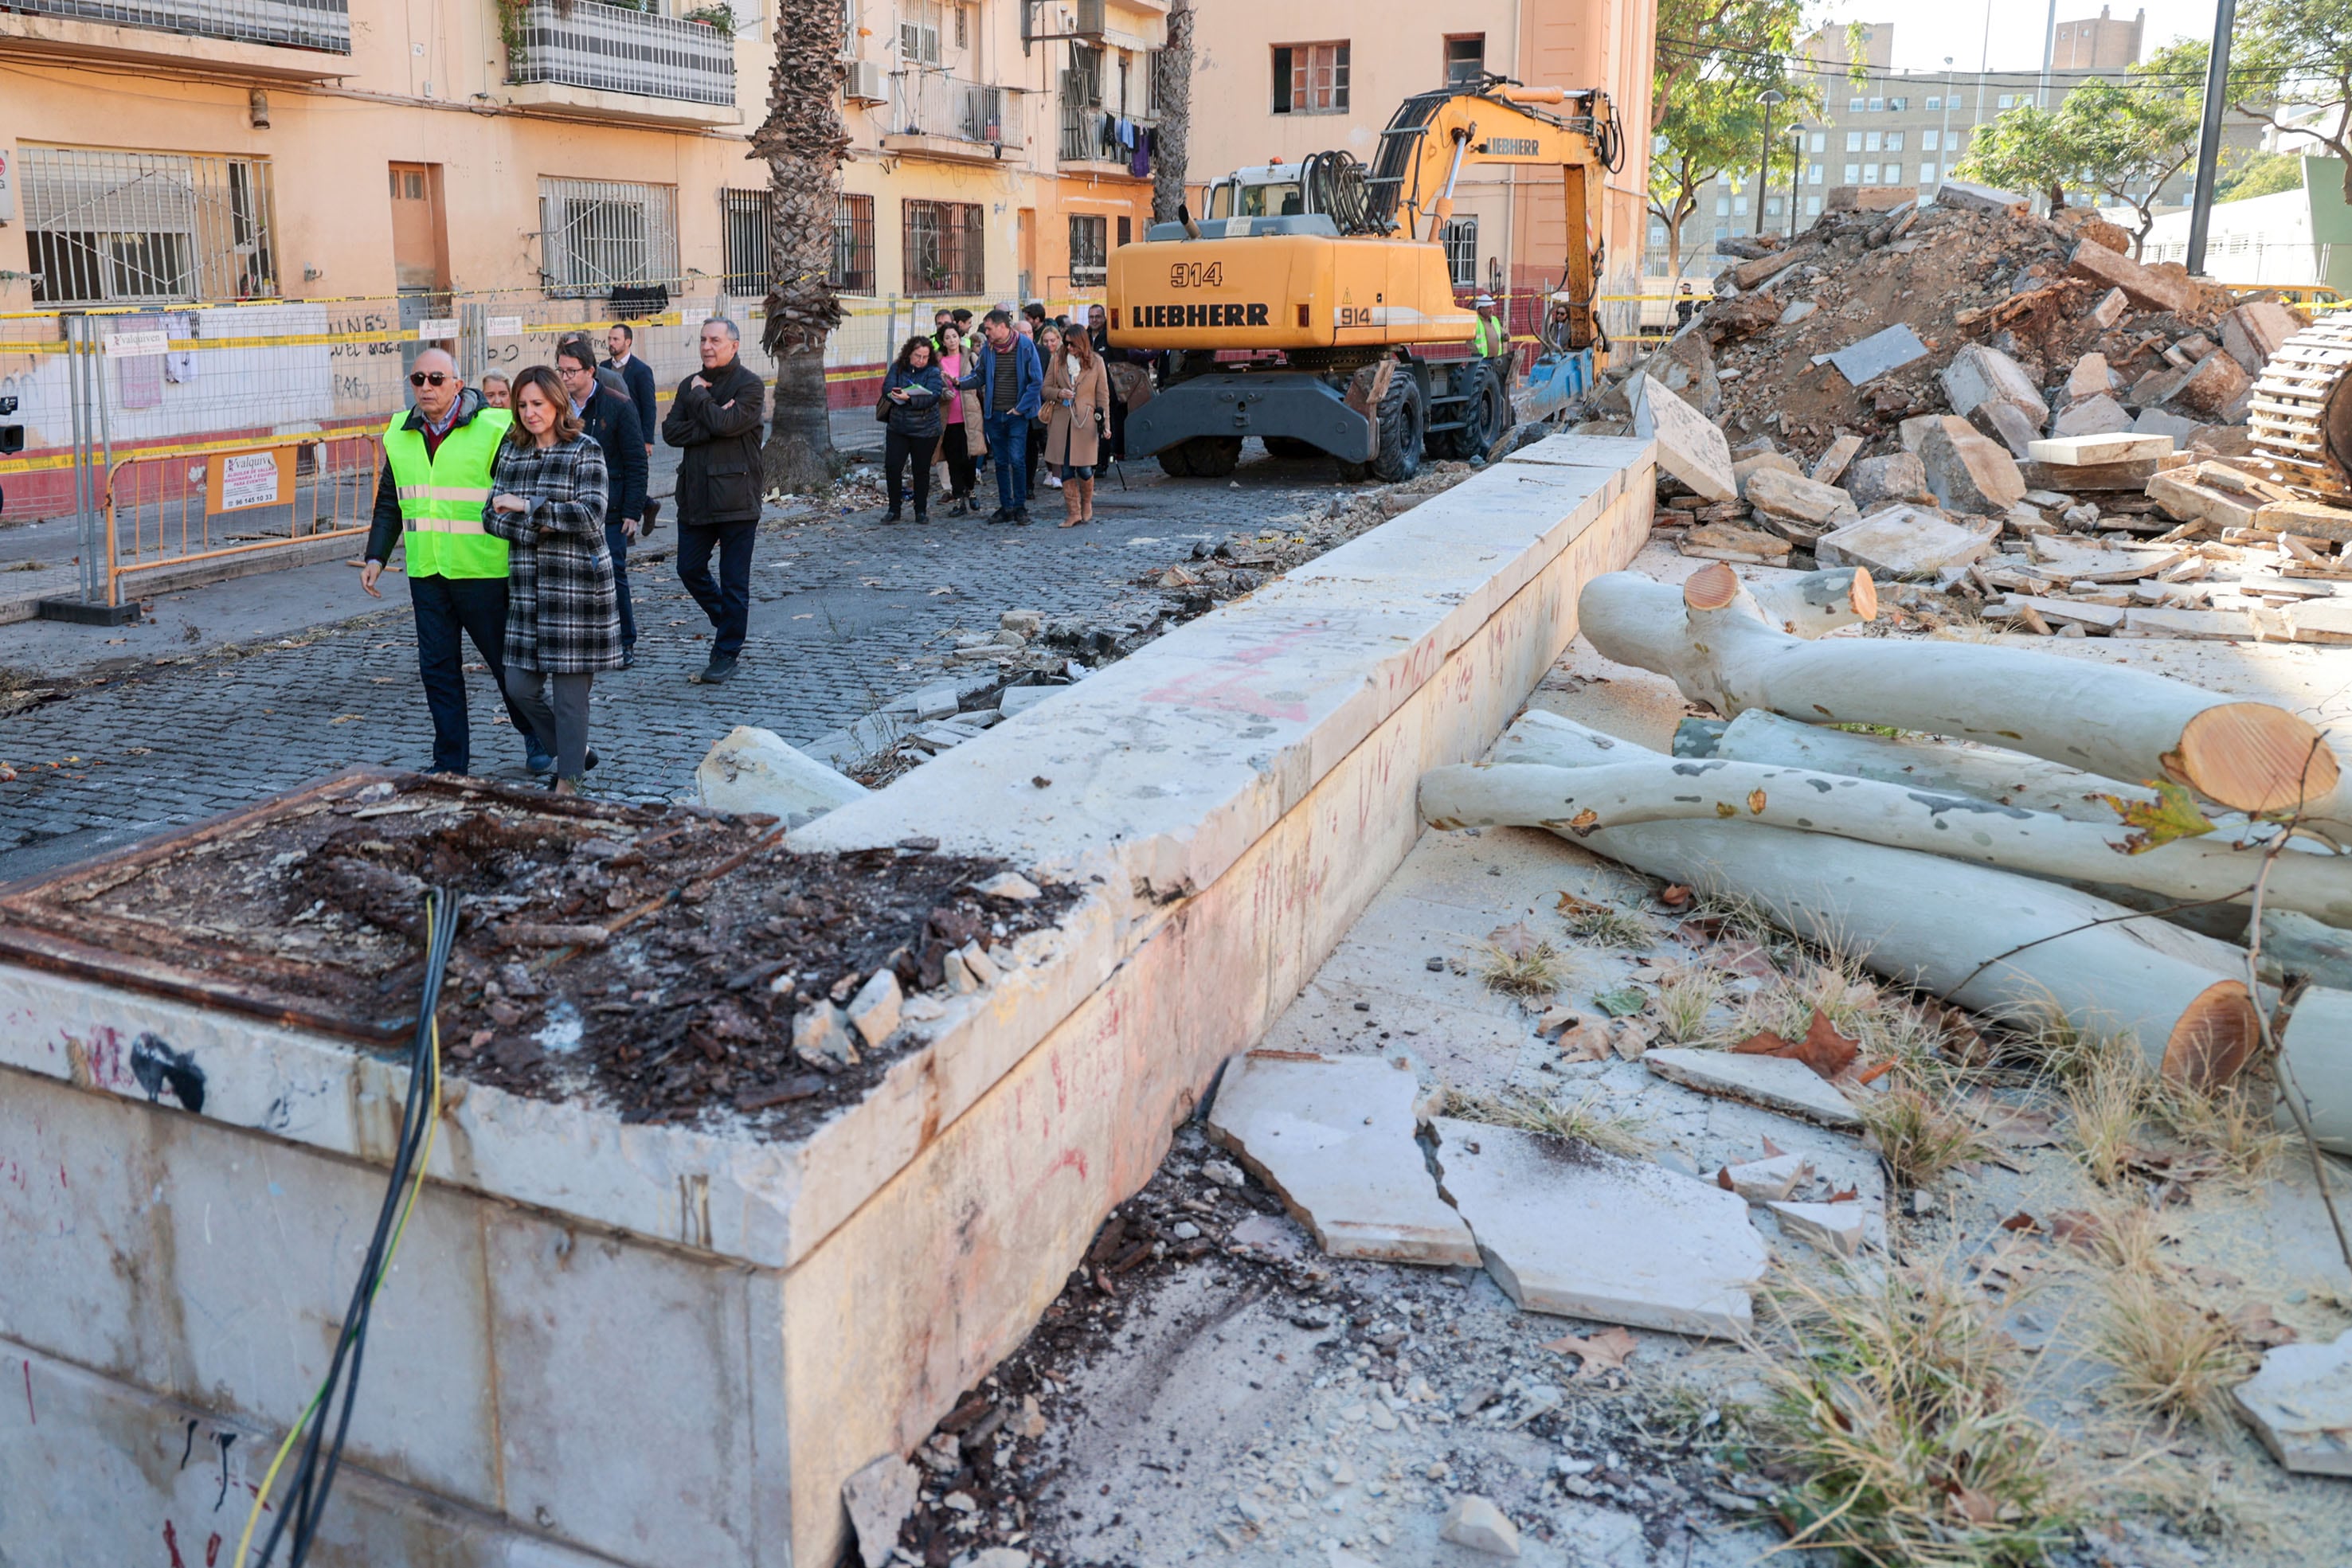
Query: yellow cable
432, 1130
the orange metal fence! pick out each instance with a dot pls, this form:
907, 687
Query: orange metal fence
206, 501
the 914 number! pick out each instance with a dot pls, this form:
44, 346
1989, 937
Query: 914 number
1193, 275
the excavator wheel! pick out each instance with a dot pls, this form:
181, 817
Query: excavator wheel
1498, 416
1176, 461
1403, 414
1213, 456
1291, 447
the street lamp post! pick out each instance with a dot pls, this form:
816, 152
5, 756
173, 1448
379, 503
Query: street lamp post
1769, 98
1944, 143
1796, 167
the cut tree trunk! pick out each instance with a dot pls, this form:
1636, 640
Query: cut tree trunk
803, 139
2250, 756
2004, 946
1804, 604
2318, 1046
1579, 801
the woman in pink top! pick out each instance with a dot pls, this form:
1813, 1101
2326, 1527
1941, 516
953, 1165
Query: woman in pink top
956, 434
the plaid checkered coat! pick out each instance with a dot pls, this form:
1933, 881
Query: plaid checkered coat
562, 617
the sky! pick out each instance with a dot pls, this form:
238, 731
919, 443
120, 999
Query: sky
1922, 38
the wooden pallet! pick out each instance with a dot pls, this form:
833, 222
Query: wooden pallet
2298, 397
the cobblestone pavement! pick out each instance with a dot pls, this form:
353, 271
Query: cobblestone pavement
843, 610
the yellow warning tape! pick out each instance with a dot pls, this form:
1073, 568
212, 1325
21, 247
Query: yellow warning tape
199, 448
329, 339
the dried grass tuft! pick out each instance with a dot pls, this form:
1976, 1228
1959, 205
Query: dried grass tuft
1920, 1134
2231, 1120
2172, 1359
1584, 1120
1532, 973
2108, 1092
1686, 997
1608, 925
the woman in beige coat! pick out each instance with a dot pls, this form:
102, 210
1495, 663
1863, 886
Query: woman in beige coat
1077, 401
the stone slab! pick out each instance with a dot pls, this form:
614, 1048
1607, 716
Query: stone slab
2255, 331
2216, 625
1893, 476
1837, 1228
1969, 473
1903, 542
2092, 448
2097, 414
1830, 467
754, 771
1787, 494
1774, 1082
879, 1498
2146, 286
1977, 198
1690, 446
2105, 617
1020, 699
2074, 479
1769, 1180
2307, 519
1978, 374
1568, 1229
1889, 350
1334, 1135
2300, 1405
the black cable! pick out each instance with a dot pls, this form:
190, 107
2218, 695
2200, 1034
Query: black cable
306, 1500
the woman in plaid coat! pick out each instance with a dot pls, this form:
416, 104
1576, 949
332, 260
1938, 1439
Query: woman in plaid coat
547, 489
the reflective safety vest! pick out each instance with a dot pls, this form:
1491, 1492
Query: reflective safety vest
443, 496
1489, 338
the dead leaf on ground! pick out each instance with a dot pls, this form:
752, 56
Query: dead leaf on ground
1629, 1038
1515, 940
1723, 1178
1559, 1020
1823, 1049
1976, 1507
2255, 1325
1849, 1195
2077, 1227
2021, 1221
1604, 1351
1587, 1044
1747, 958
1569, 904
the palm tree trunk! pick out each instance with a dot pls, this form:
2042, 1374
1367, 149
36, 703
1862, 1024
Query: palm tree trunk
1172, 81
803, 139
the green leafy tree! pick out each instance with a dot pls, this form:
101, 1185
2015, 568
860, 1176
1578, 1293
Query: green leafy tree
2255, 174
1716, 60
2291, 68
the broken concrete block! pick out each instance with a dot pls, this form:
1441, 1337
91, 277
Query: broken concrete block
1775, 1082
1722, 541
937, 700
1020, 699
1978, 375
2308, 520
2097, 414
1978, 198
1475, 1522
977, 963
2213, 383
2007, 424
753, 771
1334, 1137
1869, 198
2162, 422
1747, 467
2253, 331
2145, 286
1834, 1228
1769, 1180
1792, 495
1971, 474
1008, 884
1568, 1229
2195, 625
1796, 312
2102, 477
1889, 350
2326, 621
1830, 467
1027, 623
1897, 477
874, 1010
1690, 447
879, 1498
2102, 446
1685, 367
2110, 308
2089, 378
2178, 495
1902, 541
821, 1037
2300, 1405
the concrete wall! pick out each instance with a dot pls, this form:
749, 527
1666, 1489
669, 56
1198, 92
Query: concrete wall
664, 1346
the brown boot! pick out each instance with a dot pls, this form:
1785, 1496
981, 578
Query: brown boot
1088, 498
1073, 506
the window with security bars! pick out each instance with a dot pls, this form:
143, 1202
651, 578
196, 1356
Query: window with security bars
1461, 251
146, 227
743, 217
853, 244
596, 235
943, 247
1089, 256
1310, 79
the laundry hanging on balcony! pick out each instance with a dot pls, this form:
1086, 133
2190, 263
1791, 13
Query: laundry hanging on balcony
1130, 139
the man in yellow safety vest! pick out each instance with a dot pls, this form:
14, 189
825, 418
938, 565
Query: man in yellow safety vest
1491, 336
430, 499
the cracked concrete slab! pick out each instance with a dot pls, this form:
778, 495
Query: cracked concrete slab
1775, 1082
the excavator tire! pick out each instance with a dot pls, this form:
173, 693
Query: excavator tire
1403, 414
1498, 416
1213, 456
1176, 461
1291, 447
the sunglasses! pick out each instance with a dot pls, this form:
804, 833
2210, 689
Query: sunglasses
418, 378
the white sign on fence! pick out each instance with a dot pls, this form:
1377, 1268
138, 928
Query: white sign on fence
436, 328
505, 326
248, 479
137, 345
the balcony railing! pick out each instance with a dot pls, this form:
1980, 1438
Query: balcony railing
294, 24
925, 103
606, 48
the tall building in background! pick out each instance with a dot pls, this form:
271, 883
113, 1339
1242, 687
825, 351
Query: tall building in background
2102, 42
1282, 81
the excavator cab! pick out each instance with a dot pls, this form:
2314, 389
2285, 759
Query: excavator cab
1267, 191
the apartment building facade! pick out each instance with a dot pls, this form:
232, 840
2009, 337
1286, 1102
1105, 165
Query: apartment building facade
1283, 81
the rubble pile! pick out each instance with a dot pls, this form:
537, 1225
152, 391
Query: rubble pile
2006, 407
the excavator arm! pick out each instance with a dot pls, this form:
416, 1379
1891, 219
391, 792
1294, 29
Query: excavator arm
1434, 136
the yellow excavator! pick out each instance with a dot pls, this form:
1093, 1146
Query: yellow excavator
1297, 308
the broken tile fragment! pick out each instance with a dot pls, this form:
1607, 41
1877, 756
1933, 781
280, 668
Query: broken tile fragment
1836, 1229
1769, 1181
880, 1498
1334, 1136
1775, 1082
1476, 1522
1566, 1228
874, 1011
2300, 1405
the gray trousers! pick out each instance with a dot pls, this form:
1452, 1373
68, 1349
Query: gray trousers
561, 724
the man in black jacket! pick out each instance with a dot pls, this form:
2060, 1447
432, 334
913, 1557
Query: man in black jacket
610, 420
636, 375
715, 423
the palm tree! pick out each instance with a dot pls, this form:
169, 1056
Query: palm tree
1171, 83
802, 139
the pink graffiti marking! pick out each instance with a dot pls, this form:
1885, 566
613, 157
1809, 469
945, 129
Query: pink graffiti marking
1233, 693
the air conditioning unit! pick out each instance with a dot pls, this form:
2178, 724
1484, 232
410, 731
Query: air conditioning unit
1092, 21
862, 82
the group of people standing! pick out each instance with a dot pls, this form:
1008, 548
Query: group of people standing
514, 512
1021, 391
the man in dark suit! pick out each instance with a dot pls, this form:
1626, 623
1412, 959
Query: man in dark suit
610, 421
636, 375
714, 420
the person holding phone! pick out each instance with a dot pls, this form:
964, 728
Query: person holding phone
550, 489
909, 409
